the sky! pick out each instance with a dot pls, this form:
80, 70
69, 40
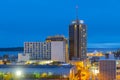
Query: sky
33, 20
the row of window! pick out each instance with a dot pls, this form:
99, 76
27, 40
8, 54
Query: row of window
118, 67
118, 73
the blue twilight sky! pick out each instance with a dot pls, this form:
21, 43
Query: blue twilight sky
34, 20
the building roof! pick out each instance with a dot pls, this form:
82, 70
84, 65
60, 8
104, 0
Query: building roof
110, 57
58, 70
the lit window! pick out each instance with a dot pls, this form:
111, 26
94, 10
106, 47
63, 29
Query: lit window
83, 35
75, 27
83, 29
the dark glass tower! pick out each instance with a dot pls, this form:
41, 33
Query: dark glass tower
77, 40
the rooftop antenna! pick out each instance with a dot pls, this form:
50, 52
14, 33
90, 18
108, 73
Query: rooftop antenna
77, 19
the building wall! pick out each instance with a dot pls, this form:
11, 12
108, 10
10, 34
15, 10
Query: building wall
38, 50
107, 69
58, 51
59, 48
23, 57
52, 50
118, 69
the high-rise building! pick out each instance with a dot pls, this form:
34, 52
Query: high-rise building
55, 48
77, 40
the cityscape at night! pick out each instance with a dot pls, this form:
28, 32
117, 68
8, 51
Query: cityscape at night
59, 40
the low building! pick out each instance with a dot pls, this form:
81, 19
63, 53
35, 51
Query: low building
109, 68
1, 62
23, 57
95, 54
31, 72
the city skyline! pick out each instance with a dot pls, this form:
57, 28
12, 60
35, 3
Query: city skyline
28, 20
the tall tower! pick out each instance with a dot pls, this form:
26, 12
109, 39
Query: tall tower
77, 39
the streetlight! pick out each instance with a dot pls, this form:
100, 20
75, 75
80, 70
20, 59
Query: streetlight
18, 73
95, 72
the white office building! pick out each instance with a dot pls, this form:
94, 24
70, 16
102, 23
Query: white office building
58, 51
55, 48
38, 50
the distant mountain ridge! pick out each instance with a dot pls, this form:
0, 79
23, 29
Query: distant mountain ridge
12, 49
102, 49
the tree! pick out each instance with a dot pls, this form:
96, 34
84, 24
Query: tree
5, 58
117, 54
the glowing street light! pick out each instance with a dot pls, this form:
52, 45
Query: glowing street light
18, 73
95, 72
